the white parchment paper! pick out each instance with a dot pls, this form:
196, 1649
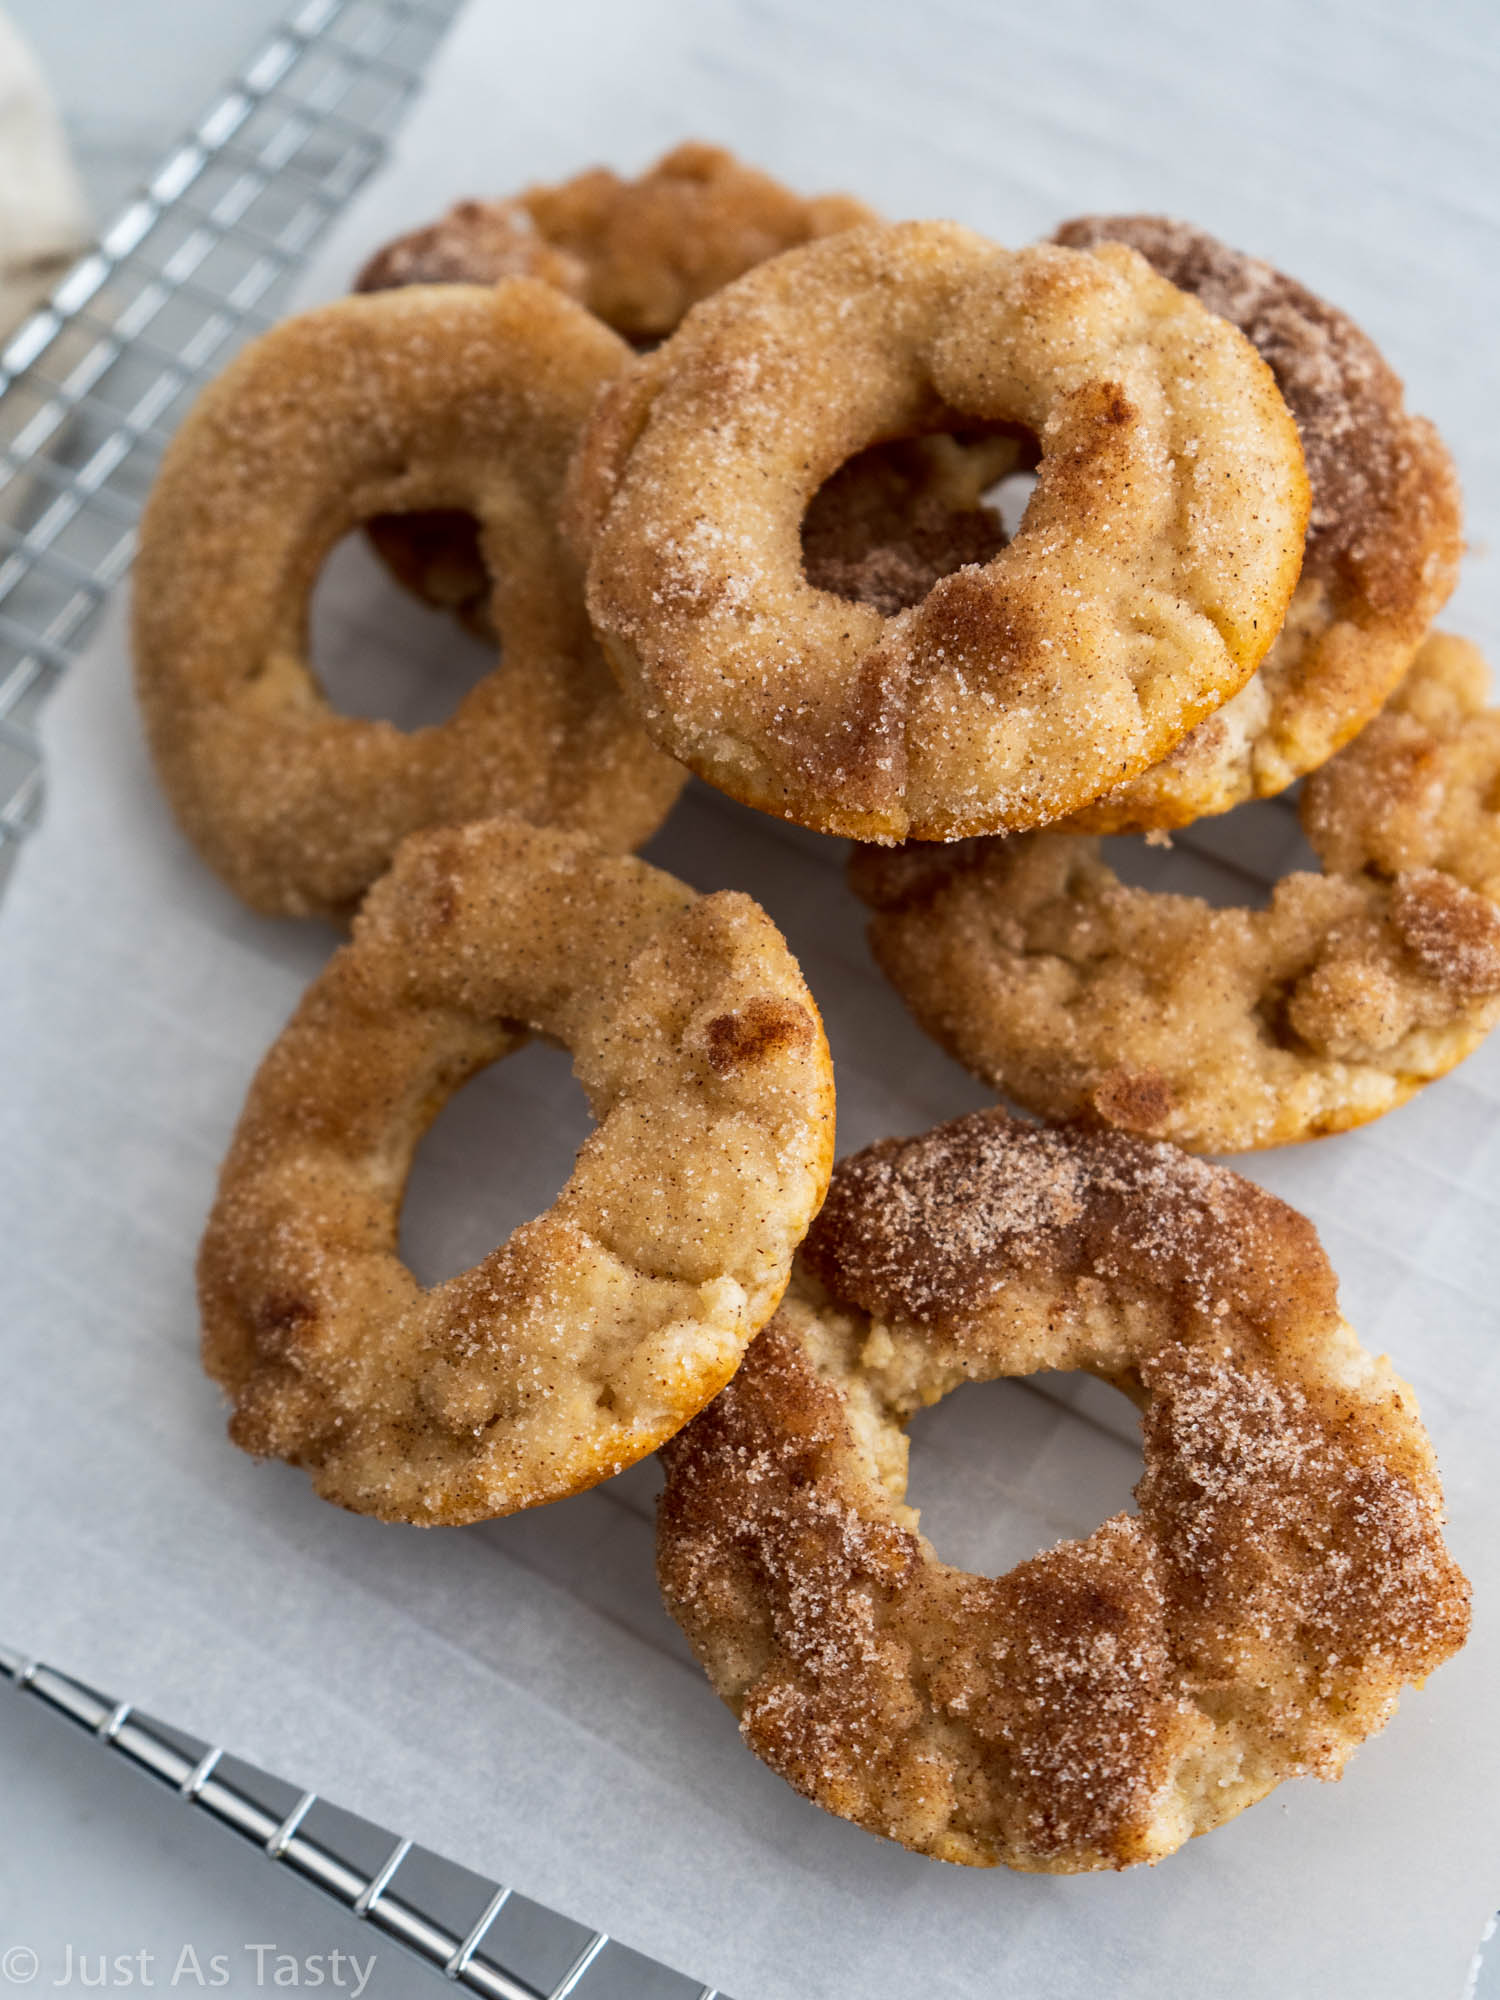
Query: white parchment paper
513, 1694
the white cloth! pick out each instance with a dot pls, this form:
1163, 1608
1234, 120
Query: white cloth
42, 219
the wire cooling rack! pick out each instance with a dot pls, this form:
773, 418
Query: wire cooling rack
484, 1938
91, 387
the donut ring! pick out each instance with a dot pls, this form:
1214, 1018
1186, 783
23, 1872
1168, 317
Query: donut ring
595, 1331
1284, 1577
458, 396
1226, 1029
1155, 561
1383, 540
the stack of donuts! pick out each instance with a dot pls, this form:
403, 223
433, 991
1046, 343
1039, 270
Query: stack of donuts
709, 463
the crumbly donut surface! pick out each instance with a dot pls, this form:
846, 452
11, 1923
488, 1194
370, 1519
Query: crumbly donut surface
1226, 1029
881, 531
636, 253
473, 243
639, 253
596, 1330
1155, 562
1283, 1576
455, 397
1383, 539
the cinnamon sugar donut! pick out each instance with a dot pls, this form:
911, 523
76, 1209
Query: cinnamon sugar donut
1283, 1578
1383, 540
458, 396
1154, 564
1225, 1029
593, 1332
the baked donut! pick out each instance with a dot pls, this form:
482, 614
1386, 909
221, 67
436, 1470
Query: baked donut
454, 396
1226, 1029
1283, 1577
1155, 561
593, 1332
1383, 539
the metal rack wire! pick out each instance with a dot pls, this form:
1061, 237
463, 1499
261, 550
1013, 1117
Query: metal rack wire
91, 387
461, 1925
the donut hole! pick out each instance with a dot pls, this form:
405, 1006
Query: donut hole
1010, 497
496, 1155
896, 518
1232, 861
379, 651
1003, 1470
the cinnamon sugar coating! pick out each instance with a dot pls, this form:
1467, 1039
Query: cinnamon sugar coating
1283, 1578
1156, 559
473, 243
636, 253
881, 531
595, 1331
436, 397
639, 253
1383, 539
1225, 1029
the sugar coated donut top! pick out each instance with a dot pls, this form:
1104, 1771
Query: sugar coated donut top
1224, 1029
1283, 1575
594, 1331
455, 397
1152, 568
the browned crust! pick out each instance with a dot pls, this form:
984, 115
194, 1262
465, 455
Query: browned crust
591, 1333
1384, 536
754, 1031
638, 253
932, 1229
1453, 934
1012, 692
1284, 1577
453, 397
1228, 1029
